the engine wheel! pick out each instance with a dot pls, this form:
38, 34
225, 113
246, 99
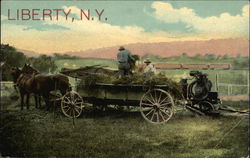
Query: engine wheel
196, 91
205, 107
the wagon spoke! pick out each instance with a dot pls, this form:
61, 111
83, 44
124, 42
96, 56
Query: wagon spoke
66, 98
163, 100
149, 112
67, 110
149, 100
164, 112
147, 104
76, 103
78, 99
76, 110
78, 107
163, 107
65, 106
153, 115
161, 115
66, 102
159, 97
166, 103
152, 97
155, 96
146, 109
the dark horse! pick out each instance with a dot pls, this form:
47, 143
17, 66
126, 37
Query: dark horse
44, 84
17, 74
27, 69
39, 84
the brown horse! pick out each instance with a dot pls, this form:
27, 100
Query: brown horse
40, 85
30, 70
24, 83
44, 84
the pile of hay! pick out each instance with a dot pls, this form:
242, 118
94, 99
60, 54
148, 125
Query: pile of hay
136, 79
91, 75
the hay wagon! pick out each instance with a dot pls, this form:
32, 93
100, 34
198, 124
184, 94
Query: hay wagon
156, 102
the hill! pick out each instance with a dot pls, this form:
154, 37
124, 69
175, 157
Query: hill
29, 53
232, 47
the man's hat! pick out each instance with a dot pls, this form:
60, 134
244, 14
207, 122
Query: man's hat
121, 48
147, 61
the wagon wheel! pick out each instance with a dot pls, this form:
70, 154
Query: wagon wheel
72, 104
205, 106
157, 106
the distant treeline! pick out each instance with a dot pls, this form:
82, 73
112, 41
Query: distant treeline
44, 63
236, 62
64, 56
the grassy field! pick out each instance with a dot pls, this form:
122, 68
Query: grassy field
121, 133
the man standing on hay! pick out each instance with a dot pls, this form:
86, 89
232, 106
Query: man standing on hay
149, 70
124, 57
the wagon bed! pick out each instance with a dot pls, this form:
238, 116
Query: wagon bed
116, 94
155, 102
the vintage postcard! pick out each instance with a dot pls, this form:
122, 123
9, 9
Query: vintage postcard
139, 79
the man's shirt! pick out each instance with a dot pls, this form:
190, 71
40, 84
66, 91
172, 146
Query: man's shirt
123, 56
150, 69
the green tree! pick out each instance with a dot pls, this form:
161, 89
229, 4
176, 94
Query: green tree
43, 63
210, 56
226, 56
11, 56
197, 56
184, 55
64, 56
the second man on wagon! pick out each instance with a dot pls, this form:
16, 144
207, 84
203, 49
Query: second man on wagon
124, 57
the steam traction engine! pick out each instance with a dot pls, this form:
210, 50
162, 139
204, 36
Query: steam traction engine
197, 95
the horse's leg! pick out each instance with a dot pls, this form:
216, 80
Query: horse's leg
22, 98
27, 101
46, 99
39, 100
35, 97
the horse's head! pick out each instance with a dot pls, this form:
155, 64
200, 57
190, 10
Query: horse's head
29, 70
15, 73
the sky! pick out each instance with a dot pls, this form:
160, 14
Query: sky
121, 23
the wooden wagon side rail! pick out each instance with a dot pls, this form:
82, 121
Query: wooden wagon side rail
191, 66
130, 85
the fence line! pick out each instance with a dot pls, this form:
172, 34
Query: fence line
229, 85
